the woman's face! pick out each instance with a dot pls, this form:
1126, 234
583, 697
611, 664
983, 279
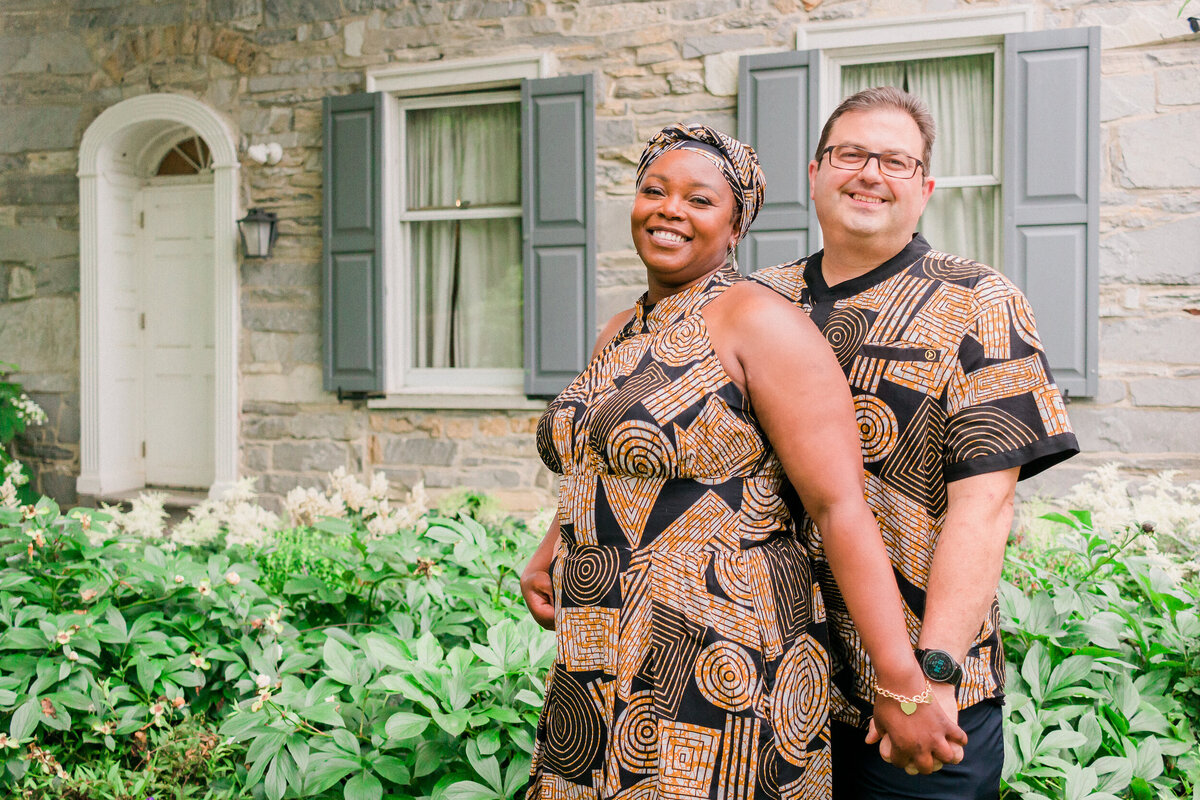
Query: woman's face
682, 221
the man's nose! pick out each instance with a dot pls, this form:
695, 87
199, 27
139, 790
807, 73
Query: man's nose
870, 169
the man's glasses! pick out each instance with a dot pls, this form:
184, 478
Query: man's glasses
894, 165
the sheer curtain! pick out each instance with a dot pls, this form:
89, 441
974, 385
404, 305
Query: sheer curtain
959, 92
466, 273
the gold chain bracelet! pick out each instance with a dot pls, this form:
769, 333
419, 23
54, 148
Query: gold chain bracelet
907, 704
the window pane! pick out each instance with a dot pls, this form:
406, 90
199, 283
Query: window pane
468, 153
963, 222
960, 93
467, 293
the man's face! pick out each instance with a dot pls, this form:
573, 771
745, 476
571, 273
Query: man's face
865, 204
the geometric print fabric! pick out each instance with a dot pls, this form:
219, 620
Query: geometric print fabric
949, 380
691, 654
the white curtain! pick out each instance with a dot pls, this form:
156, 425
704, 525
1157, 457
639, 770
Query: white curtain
959, 92
466, 273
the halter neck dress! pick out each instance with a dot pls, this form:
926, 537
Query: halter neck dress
691, 658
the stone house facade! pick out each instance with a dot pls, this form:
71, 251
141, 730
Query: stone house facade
96, 96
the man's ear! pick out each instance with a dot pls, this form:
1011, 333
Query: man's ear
813, 166
927, 189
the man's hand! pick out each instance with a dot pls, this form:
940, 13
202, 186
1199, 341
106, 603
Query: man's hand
921, 742
539, 596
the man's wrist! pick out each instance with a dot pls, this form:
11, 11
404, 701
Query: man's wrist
939, 666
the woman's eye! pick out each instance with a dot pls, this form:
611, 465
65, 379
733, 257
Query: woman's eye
704, 201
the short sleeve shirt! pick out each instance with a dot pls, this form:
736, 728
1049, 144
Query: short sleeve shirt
949, 380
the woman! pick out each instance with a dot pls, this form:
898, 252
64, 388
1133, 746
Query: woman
691, 638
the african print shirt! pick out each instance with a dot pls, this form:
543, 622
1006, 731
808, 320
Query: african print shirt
691, 658
949, 380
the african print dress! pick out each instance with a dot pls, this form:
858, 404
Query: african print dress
691, 657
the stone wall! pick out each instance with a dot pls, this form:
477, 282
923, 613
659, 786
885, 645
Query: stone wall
266, 64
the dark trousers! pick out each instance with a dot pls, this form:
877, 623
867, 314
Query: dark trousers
860, 774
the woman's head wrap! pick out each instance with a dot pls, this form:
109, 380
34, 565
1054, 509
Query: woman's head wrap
737, 161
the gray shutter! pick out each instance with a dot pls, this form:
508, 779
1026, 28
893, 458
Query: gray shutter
352, 244
1052, 192
558, 155
777, 115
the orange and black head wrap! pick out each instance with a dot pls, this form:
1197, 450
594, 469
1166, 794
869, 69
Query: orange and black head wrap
737, 161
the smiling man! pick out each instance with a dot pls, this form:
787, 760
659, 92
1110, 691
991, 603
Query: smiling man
955, 403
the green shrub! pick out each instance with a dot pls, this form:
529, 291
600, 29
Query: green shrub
1103, 650
401, 660
17, 412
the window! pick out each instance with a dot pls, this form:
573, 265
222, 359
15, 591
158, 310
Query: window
963, 215
1016, 158
461, 230
459, 234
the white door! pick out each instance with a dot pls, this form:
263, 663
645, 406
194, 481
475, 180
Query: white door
178, 298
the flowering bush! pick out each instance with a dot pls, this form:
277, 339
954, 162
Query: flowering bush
406, 661
1102, 638
17, 412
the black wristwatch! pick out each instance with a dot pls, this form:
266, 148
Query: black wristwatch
939, 666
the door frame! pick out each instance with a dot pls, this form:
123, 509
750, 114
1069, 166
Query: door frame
108, 157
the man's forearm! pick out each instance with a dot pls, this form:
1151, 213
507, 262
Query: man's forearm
967, 561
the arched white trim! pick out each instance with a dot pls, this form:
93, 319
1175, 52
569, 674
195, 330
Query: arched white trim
100, 168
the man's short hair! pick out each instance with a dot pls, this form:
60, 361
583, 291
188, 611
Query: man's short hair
886, 97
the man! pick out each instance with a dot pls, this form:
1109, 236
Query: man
955, 403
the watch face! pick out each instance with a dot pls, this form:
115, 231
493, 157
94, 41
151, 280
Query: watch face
939, 666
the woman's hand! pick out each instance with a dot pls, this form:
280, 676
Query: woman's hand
539, 596
536, 587
932, 730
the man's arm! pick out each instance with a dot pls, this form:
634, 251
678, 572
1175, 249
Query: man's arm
966, 566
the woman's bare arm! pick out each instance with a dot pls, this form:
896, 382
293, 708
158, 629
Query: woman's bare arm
800, 396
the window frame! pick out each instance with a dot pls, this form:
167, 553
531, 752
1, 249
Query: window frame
405, 86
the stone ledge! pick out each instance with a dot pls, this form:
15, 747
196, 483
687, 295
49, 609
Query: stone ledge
445, 401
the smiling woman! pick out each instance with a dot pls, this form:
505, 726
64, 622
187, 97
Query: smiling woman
689, 630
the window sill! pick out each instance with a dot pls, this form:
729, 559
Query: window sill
480, 400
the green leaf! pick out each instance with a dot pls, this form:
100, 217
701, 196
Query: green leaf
364, 786
405, 725
339, 663
346, 740
147, 672
275, 783
488, 741
326, 769
469, 790
25, 719
23, 639
392, 768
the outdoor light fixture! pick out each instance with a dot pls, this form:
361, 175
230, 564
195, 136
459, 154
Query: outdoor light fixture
259, 230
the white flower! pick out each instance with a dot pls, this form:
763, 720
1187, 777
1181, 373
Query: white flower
146, 517
205, 588
28, 411
232, 578
71, 654
179, 579
262, 681
306, 506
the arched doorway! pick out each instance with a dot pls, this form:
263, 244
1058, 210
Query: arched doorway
158, 293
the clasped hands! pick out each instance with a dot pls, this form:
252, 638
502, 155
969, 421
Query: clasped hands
924, 741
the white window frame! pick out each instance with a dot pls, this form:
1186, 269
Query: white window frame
408, 86
913, 38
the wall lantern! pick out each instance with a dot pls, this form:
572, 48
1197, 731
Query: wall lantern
259, 230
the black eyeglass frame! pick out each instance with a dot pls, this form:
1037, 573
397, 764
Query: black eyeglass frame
878, 160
